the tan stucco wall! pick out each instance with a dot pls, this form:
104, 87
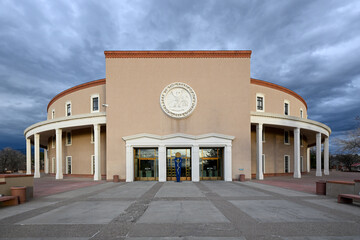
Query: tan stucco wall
80, 102
133, 91
275, 150
274, 101
80, 150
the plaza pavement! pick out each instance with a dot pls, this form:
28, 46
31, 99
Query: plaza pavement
186, 210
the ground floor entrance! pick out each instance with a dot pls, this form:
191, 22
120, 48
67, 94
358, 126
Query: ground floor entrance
146, 164
185, 166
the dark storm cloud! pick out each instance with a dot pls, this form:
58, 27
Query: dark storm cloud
307, 46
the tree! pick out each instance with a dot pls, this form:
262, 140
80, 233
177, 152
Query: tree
346, 160
351, 144
11, 160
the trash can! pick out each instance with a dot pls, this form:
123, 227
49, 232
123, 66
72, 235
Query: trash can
321, 187
116, 178
19, 192
242, 178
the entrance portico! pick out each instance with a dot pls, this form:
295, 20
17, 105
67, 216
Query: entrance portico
191, 143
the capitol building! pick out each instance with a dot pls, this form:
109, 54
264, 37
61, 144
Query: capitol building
154, 105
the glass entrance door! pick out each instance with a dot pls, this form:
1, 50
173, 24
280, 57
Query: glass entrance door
185, 166
146, 164
211, 164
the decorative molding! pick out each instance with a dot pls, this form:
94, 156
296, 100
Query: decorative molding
277, 87
178, 100
178, 135
178, 54
77, 88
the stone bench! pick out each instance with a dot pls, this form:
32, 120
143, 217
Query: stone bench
9, 200
347, 198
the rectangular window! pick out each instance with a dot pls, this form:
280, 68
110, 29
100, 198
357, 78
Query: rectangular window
286, 137
68, 164
263, 163
92, 164
286, 164
286, 108
68, 139
53, 165
260, 103
263, 134
53, 114
301, 140
92, 140
301, 113
301, 164
95, 104
53, 142
68, 109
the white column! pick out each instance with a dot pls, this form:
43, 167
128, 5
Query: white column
228, 164
326, 156
297, 173
59, 162
259, 152
97, 174
195, 163
318, 155
308, 159
46, 162
162, 163
37, 155
129, 164
28, 156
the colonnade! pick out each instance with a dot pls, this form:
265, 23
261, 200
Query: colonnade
59, 158
297, 172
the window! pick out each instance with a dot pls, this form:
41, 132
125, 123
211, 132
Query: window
68, 164
301, 140
260, 104
53, 165
68, 139
92, 164
301, 164
95, 101
301, 113
53, 114
68, 109
286, 107
286, 164
53, 142
92, 140
263, 163
286, 137
263, 134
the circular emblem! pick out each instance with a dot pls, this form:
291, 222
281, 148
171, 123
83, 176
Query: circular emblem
178, 100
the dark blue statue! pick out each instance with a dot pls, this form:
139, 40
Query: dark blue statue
178, 161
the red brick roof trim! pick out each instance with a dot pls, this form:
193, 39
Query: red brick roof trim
178, 54
278, 87
77, 88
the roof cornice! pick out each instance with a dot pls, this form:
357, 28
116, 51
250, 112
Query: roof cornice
178, 54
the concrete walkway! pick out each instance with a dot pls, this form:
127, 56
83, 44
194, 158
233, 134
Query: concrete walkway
186, 210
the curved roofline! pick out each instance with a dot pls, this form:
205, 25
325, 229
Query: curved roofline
278, 87
178, 54
77, 88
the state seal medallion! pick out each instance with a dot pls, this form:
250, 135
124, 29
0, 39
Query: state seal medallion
178, 100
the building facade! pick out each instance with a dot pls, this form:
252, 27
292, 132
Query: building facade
153, 105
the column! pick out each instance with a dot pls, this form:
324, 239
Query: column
259, 152
97, 174
228, 164
297, 173
318, 155
162, 163
326, 156
308, 159
37, 155
129, 164
46, 162
195, 163
28, 156
59, 163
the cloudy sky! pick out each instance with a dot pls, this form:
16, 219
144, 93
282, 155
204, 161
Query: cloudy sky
311, 47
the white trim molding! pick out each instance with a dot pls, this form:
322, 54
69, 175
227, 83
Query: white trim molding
92, 103
178, 140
